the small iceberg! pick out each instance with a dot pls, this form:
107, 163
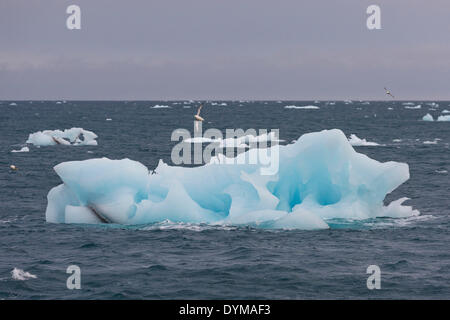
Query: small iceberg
69, 137
23, 149
19, 274
445, 111
160, 106
414, 107
427, 117
302, 107
357, 142
443, 118
320, 177
244, 141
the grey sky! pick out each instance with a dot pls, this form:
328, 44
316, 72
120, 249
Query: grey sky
224, 49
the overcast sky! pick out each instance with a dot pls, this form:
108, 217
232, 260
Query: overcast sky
224, 49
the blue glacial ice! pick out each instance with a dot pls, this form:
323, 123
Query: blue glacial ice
320, 177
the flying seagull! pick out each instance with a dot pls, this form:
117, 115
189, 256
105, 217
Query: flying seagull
197, 116
388, 92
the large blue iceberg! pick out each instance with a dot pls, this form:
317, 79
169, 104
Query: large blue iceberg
320, 177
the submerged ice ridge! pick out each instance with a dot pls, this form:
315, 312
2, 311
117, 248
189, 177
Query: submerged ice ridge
320, 177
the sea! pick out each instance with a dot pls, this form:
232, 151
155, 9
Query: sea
197, 261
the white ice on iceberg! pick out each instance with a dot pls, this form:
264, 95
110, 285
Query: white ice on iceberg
320, 177
73, 136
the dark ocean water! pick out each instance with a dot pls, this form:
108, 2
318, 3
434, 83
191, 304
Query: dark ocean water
196, 261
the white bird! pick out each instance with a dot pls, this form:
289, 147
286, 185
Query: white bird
197, 116
388, 92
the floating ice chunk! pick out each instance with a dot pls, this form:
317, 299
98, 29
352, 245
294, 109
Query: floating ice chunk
160, 106
445, 111
302, 107
320, 177
13, 104
427, 117
414, 107
108, 119
19, 274
357, 142
408, 103
443, 118
396, 210
73, 136
23, 149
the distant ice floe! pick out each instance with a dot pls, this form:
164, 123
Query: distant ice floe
445, 111
443, 118
427, 117
301, 107
238, 142
69, 137
19, 274
408, 103
435, 141
320, 177
13, 104
160, 107
23, 149
223, 104
414, 107
108, 119
357, 142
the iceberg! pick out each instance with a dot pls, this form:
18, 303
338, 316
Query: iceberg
443, 118
427, 117
23, 149
238, 142
415, 107
73, 136
302, 107
357, 142
320, 177
160, 107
